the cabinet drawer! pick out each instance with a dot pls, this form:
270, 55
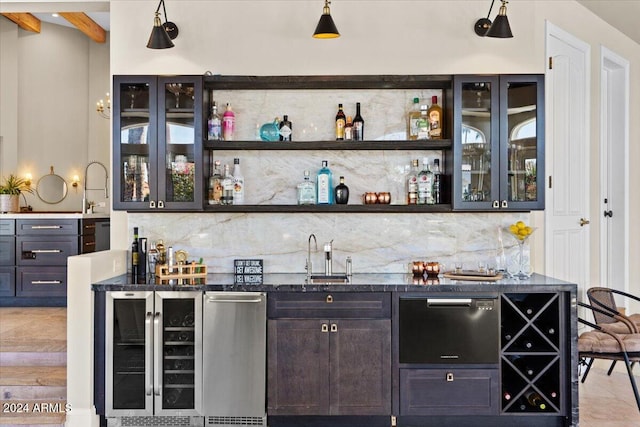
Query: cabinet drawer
329, 305
7, 281
87, 244
7, 251
28, 227
88, 227
449, 392
45, 250
7, 227
41, 282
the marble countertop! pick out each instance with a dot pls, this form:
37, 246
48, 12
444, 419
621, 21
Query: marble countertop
373, 282
54, 215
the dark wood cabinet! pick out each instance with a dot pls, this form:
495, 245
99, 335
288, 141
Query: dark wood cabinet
498, 142
329, 365
157, 142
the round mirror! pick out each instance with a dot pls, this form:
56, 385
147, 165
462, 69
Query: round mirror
51, 188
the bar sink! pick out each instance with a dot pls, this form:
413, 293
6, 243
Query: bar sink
335, 278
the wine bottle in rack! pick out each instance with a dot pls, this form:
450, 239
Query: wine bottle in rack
536, 401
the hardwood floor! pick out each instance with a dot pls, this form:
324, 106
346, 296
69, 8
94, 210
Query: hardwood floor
33, 369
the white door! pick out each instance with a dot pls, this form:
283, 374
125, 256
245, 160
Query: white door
614, 167
567, 159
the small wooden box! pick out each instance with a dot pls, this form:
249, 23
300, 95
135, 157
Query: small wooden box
182, 274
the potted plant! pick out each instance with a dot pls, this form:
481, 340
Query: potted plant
10, 190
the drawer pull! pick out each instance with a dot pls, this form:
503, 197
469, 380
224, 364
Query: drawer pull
449, 377
46, 282
46, 227
89, 227
324, 328
329, 299
47, 251
334, 327
90, 244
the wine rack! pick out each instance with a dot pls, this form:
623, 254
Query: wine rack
178, 351
530, 353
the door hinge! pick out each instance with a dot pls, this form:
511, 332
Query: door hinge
550, 182
551, 63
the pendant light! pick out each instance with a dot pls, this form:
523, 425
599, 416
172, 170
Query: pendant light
500, 27
162, 34
326, 28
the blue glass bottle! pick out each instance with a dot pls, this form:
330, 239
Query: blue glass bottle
324, 185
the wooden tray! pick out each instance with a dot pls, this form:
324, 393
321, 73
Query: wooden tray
182, 273
475, 276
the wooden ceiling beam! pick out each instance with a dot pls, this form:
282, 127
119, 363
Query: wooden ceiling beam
26, 21
87, 25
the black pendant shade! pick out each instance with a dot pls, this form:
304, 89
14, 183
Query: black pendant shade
162, 34
500, 28
326, 28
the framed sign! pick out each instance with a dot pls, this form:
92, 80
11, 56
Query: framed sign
248, 271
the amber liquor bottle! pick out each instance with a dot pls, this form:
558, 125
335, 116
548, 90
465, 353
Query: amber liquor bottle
341, 121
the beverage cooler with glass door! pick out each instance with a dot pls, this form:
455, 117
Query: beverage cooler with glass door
154, 358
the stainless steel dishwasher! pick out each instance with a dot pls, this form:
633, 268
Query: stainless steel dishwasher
234, 358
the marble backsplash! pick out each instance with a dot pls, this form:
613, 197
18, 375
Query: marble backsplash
375, 242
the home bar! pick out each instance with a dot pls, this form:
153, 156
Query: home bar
316, 213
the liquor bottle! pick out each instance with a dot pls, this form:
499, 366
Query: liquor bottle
215, 185
341, 193
436, 181
412, 183
142, 261
324, 185
422, 123
425, 184
286, 128
358, 125
348, 129
412, 120
227, 187
340, 123
536, 401
435, 119
134, 256
238, 183
214, 124
228, 123
306, 190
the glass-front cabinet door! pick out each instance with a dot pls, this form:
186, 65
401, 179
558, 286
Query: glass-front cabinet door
522, 136
178, 355
129, 382
157, 134
476, 142
498, 142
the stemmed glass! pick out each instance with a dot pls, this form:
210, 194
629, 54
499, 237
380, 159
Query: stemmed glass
521, 232
176, 89
132, 94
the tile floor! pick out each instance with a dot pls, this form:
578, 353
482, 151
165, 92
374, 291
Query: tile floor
605, 401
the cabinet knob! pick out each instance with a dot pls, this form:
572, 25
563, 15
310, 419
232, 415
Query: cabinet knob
152, 204
504, 204
324, 327
329, 299
334, 327
449, 377
496, 204
160, 204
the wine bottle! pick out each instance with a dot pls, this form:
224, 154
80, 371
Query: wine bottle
238, 183
506, 395
412, 120
435, 119
348, 129
341, 193
358, 125
324, 185
214, 124
286, 128
228, 123
340, 123
134, 256
536, 401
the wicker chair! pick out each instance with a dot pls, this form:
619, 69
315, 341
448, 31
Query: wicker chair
603, 344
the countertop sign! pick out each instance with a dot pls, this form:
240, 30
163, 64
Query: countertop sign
248, 272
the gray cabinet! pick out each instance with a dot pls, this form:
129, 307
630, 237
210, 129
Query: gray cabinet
330, 355
33, 258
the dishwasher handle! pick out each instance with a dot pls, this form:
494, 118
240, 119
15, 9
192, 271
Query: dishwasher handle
235, 298
449, 302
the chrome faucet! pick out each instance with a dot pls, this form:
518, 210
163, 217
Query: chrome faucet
308, 265
106, 184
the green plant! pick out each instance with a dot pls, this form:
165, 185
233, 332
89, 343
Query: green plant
14, 185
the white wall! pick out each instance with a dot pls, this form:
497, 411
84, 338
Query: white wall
50, 84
